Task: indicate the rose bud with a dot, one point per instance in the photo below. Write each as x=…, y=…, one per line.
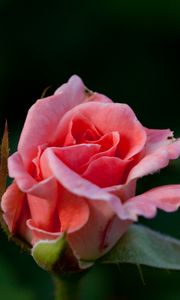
x=75, y=172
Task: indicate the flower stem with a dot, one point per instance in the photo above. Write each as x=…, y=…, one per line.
x=66, y=288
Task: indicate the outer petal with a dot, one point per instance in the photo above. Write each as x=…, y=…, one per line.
x=12, y=204
x=43, y=210
x=44, y=116
x=73, y=211
x=124, y=191
x=157, y=138
x=17, y=171
x=42, y=196
x=106, y=171
x=26, y=182
x=166, y=198
x=103, y=230
x=40, y=234
x=155, y=161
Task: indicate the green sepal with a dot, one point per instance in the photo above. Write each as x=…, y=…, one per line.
x=143, y=246
x=56, y=256
x=46, y=253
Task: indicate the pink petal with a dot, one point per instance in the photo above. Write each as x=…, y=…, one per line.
x=110, y=117
x=157, y=138
x=124, y=191
x=76, y=131
x=166, y=198
x=73, y=214
x=44, y=116
x=40, y=234
x=74, y=183
x=12, y=204
x=76, y=156
x=103, y=230
x=117, y=227
x=108, y=144
x=90, y=248
x=73, y=211
x=106, y=171
x=25, y=181
x=118, y=117
x=155, y=160
x=42, y=196
x=16, y=170
x=44, y=210
x=21, y=227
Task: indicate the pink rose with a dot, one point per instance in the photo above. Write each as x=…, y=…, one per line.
x=78, y=160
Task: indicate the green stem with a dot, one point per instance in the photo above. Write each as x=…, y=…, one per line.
x=66, y=288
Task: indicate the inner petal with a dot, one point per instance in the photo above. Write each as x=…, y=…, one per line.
x=75, y=130
x=76, y=156
x=108, y=145
x=109, y=117
x=106, y=171
x=83, y=128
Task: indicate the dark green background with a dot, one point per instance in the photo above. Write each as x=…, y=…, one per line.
x=128, y=50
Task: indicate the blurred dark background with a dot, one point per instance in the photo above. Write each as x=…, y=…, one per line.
x=128, y=50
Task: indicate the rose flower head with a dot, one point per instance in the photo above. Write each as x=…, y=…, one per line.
x=75, y=172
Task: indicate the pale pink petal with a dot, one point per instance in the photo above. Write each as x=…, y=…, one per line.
x=124, y=191
x=73, y=211
x=155, y=160
x=44, y=116
x=157, y=138
x=106, y=171
x=74, y=183
x=114, y=232
x=12, y=204
x=90, y=95
x=166, y=198
x=16, y=170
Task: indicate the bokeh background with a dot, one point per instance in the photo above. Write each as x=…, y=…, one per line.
x=128, y=50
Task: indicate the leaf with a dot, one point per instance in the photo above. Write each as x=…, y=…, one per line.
x=3, y=161
x=143, y=246
x=47, y=253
